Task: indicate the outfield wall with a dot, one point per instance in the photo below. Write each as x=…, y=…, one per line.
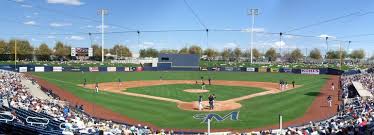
x=34, y=68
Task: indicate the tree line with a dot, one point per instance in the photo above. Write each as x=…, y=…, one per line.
x=61, y=51
x=234, y=54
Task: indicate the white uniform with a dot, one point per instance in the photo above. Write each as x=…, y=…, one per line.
x=97, y=89
x=200, y=106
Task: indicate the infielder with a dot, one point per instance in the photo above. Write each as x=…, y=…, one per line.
x=329, y=100
x=332, y=86
x=203, y=86
x=119, y=82
x=97, y=88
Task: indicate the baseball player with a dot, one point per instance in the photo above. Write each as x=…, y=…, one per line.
x=293, y=84
x=332, y=86
x=97, y=88
x=200, y=104
x=211, y=100
x=119, y=82
x=84, y=82
x=202, y=79
x=209, y=80
x=203, y=86
x=329, y=100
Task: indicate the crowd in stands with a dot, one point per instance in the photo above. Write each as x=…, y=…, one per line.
x=356, y=116
x=15, y=99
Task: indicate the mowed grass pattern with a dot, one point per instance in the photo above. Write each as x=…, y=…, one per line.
x=256, y=112
x=175, y=91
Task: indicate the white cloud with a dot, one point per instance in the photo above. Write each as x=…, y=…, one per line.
x=30, y=23
x=86, y=27
x=76, y=38
x=282, y=44
x=35, y=13
x=18, y=0
x=28, y=16
x=56, y=24
x=254, y=30
x=66, y=2
x=51, y=37
x=99, y=26
x=146, y=44
x=26, y=6
x=288, y=36
x=325, y=35
x=230, y=45
x=35, y=40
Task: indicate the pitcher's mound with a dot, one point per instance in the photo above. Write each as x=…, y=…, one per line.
x=196, y=90
x=218, y=106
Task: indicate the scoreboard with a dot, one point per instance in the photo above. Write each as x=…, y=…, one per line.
x=82, y=52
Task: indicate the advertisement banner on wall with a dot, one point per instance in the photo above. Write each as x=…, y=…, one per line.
x=310, y=71
x=111, y=69
x=287, y=70
x=229, y=68
x=139, y=69
x=39, y=69
x=262, y=69
x=250, y=69
x=57, y=69
x=22, y=69
x=127, y=69
x=274, y=70
x=93, y=69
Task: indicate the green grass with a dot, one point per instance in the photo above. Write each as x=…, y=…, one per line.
x=175, y=91
x=255, y=112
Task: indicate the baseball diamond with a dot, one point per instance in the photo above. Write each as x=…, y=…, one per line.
x=255, y=95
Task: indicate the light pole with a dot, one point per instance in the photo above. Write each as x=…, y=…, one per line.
x=280, y=45
x=253, y=13
x=15, y=55
x=327, y=46
x=102, y=12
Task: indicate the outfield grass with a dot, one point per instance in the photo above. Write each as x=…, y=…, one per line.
x=255, y=112
x=175, y=91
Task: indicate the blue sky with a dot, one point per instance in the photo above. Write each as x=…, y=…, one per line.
x=42, y=21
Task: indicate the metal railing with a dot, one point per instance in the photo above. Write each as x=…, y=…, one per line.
x=7, y=114
x=37, y=123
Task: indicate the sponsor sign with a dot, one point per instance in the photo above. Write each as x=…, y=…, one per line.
x=57, y=69
x=274, y=70
x=262, y=69
x=310, y=71
x=287, y=70
x=75, y=69
x=234, y=116
x=250, y=69
x=93, y=69
x=39, y=69
x=22, y=69
x=229, y=69
x=139, y=69
x=111, y=69
x=127, y=69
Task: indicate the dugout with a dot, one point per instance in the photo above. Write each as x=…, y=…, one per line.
x=178, y=61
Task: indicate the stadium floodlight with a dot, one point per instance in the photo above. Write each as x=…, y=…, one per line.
x=253, y=13
x=102, y=12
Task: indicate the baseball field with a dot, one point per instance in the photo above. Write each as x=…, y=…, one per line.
x=167, y=99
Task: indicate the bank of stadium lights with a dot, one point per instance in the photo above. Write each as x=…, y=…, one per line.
x=102, y=12
x=253, y=13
